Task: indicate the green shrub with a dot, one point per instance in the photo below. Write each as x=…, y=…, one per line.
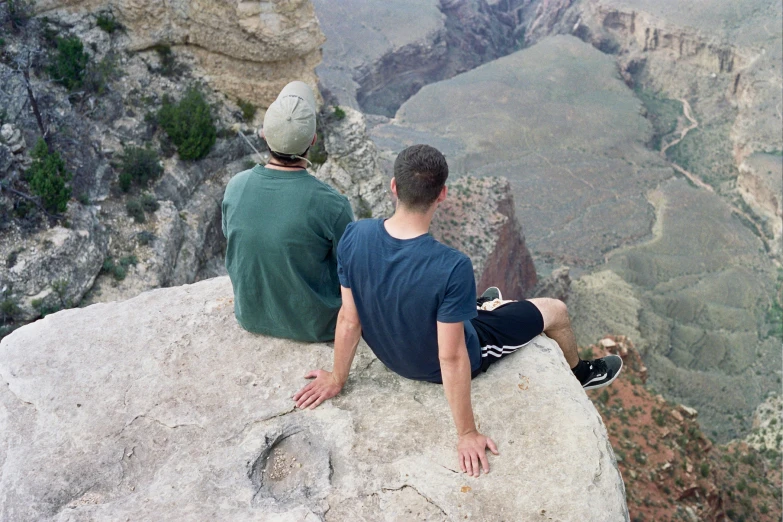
x=69, y=63
x=47, y=177
x=339, y=113
x=135, y=210
x=189, y=124
x=149, y=203
x=60, y=288
x=168, y=62
x=704, y=469
x=8, y=309
x=19, y=12
x=107, y=22
x=127, y=261
x=145, y=237
x=116, y=270
x=248, y=109
x=98, y=75
x=317, y=154
x=138, y=165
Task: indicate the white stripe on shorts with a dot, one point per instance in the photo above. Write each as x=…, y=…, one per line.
x=500, y=351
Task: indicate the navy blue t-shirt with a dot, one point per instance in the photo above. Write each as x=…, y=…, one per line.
x=402, y=287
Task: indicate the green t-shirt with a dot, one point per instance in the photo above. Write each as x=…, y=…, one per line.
x=283, y=228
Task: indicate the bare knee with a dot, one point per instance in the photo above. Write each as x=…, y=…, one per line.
x=554, y=312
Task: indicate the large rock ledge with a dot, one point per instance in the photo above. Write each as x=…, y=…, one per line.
x=162, y=408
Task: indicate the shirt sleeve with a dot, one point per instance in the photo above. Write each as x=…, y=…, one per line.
x=343, y=256
x=459, y=303
x=345, y=217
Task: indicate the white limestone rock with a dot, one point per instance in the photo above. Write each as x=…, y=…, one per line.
x=163, y=408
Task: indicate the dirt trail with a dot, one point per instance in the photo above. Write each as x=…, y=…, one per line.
x=686, y=110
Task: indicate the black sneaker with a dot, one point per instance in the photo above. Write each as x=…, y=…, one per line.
x=602, y=372
x=490, y=294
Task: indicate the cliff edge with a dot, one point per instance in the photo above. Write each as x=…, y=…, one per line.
x=161, y=407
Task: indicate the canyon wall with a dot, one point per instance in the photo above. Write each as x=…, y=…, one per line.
x=478, y=218
x=248, y=50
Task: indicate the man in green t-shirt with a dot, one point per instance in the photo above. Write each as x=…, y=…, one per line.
x=282, y=227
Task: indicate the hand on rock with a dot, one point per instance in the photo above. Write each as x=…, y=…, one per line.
x=471, y=448
x=325, y=386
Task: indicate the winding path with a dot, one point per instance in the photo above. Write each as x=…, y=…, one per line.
x=686, y=110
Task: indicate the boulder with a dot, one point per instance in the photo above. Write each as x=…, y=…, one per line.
x=162, y=408
x=53, y=269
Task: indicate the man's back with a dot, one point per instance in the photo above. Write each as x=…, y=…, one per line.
x=282, y=229
x=401, y=289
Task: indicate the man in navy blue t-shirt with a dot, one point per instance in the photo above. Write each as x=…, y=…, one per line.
x=414, y=301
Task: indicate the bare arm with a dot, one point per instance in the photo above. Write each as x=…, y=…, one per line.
x=346, y=338
x=455, y=370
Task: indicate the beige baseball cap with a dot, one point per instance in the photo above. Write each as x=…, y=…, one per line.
x=289, y=123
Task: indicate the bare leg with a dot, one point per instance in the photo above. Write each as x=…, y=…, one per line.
x=557, y=325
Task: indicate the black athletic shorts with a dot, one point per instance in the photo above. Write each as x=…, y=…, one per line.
x=505, y=330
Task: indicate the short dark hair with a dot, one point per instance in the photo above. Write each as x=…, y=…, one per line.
x=421, y=172
x=286, y=159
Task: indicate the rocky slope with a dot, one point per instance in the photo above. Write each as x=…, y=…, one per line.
x=96, y=250
x=117, y=411
x=672, y=470
x=478, y=218
x=247, y=50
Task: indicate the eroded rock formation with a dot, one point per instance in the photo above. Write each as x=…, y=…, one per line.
x=247, y=49
x=478, y=219
x=353, y=166
x=162, y=407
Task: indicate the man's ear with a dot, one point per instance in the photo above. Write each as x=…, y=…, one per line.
x=443, y=193
x=261, y=133
x=393, y=187
x=315, y=138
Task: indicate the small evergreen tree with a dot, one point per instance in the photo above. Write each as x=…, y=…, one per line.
x=189, y=124
x=139, y=165
x=48, y=177
x=69, y=63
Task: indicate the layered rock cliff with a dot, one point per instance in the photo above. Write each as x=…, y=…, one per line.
x=478, y=218
x=249, y=50
x=162, y=407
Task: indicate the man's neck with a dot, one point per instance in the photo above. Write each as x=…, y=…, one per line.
x=299, y=165
x=405, y=224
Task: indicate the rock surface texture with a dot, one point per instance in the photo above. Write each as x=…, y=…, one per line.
x=353, y=166
x=248, y=49
x=161, y=407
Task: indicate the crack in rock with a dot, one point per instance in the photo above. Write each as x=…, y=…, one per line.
x=597, y=474
x=8, y=385
x=425, y=497
x=250, y=424
x=156, y=421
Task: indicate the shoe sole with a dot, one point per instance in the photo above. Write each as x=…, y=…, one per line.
x=606, y=383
